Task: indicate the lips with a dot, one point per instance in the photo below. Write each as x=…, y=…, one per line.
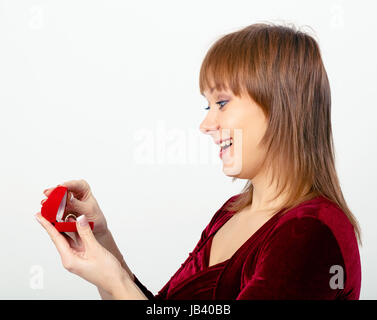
x=221, y=141
x=225, y=151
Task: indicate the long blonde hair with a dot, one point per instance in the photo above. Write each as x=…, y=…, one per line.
x=281, y=69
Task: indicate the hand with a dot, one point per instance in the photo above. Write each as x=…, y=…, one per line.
x=83, y=203
x=87, y=258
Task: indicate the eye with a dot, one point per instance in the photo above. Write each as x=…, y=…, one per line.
x=220, y=103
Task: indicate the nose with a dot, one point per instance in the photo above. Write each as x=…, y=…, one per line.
x=209, y=125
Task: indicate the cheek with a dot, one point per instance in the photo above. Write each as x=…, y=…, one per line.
x=253, y=133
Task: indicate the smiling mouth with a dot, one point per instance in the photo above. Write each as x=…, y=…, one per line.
x=225, y=146
x=226, y=143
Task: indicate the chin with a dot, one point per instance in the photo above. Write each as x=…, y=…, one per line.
x=233, y=168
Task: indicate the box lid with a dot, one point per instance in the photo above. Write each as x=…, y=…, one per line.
x=54, y=206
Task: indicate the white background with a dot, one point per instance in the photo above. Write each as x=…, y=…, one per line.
x=84, y=83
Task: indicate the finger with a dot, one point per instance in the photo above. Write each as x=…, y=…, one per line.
x=70, y=235
x=74, y=235
x=79, y=188
x=48, y=191
x=85, y=232
x=76, y=206
x=70, y=240
x=78, y=240
x=75, y=241
x=58, y=239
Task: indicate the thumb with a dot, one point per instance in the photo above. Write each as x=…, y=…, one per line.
x=85, y=232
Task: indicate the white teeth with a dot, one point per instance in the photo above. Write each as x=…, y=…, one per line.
x=226, y=143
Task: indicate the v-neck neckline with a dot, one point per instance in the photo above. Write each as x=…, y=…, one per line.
x=226, y=217
x=206, y=246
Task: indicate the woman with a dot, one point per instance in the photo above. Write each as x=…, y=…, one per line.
x=289, y=234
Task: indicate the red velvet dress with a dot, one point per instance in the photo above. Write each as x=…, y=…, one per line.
x=289, y=257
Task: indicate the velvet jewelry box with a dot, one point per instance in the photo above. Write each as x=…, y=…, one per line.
x=53, y=210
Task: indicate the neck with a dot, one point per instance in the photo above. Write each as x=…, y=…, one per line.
x=263, y=195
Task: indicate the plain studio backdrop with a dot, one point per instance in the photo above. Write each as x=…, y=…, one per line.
x=107, y=91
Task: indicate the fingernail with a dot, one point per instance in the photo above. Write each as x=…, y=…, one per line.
x=83, y=221
x=37, y=217
x=43, y=201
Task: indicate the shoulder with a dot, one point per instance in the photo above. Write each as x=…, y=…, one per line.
x=316, y=233
x=304, y=248
x=315, y=218
x=296, y=261
x=305, y=244
x=306, y=236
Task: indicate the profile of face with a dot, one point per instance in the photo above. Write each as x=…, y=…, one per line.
x=240, y=122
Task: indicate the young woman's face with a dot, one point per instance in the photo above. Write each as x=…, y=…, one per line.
x=242, y=120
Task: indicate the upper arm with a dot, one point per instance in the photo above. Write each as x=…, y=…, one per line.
x=295, y=263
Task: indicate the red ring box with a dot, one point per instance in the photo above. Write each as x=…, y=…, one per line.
x=53, y=210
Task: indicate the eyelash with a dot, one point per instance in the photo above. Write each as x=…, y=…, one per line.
x=218, y=102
